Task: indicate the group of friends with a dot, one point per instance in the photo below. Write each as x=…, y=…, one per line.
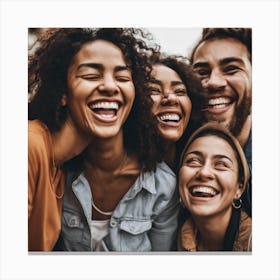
x=133, y=150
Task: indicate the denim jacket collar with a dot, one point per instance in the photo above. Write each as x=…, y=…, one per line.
x=82, y=190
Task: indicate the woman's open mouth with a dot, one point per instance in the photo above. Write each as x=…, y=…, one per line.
x=169, y=119
x=105, y=111
x=203, y=191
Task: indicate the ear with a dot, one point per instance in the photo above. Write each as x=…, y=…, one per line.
x=239, y=191
x=63, y=100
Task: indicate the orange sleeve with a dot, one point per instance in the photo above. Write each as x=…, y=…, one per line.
x=34, y=163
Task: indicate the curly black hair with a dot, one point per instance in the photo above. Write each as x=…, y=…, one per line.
x=243, y=35
x=47, y=80
x=182, y=67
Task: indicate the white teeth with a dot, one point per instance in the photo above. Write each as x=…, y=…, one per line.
x=219, y=101
x=170, y=117
x=202, y=189
x=105, y=105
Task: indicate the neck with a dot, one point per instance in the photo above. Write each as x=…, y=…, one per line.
x=212, y=231
x=243, y=136
x=68, y=142
x=107, y=154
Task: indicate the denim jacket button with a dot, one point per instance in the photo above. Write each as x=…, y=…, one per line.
x=113, y=223
x=73, y=221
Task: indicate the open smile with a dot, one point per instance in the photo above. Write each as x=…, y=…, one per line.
x=203, y=191
x=218, y=105
x=105, y=111
x=169, y=118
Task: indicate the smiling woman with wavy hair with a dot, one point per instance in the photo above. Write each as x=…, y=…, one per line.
x=92, y=83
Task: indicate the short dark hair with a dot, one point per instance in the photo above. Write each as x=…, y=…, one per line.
x=243, y=35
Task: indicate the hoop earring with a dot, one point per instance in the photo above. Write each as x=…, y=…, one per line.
x=237, y=203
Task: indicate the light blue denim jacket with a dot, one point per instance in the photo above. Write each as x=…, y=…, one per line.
x=144, y=220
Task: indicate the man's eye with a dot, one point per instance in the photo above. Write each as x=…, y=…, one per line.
x=202, y=72
x=231, y=69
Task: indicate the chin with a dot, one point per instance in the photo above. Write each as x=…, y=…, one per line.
x=172, y=137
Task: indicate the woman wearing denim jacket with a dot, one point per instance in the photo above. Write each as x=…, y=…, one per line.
x=120, y=198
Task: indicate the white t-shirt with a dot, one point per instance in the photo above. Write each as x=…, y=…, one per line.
x=99, y=229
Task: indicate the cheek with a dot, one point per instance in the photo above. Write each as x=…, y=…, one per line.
x=240, y=84
x=130, y=92
x=229, y=183
x=185, y=175
x=184, y=179
x=186, y=105
x=156, y=102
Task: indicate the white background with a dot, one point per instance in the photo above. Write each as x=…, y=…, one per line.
x=17, y=16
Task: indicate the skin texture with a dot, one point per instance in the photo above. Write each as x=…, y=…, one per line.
x=225, y=69
x=99, y=78
x=210, y=162
x=170, y=99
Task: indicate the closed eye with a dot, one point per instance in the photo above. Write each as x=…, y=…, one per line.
x=193, y=162
x=123, y=78
x=222, y=165
x=181, y=91
x=154, y=90
x=90, y=77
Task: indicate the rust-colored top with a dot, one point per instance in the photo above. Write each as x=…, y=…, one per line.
x=45, y=189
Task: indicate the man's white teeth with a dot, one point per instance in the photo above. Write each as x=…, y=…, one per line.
x=219, y=102
x=203, y=190
x=105, y=105
x=170, y=117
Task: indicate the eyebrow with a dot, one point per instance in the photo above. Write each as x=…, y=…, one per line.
x=218, y=156
x=173, y=83
x=222, y=62
x=99, y=66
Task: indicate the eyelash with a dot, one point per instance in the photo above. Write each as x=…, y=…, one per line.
x=95, y=77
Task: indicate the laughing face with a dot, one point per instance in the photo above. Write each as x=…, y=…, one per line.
x=171, y=103
x=208, y=177
x=100, y=89
x=224, y=67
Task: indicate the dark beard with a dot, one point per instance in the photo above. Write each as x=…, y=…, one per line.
x=241, y=114
x=242, y=111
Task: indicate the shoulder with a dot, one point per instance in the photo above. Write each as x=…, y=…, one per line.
x=165, y=177
x=187, y=236
x=164, y=171
x=244, y=236
x=38, y=137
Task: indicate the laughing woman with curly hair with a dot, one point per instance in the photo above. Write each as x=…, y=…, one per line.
x=87, y=86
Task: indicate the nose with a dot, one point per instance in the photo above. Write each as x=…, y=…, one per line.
x=215, y=82
x=109, y=85
x=205, y=173
x=169, y=98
